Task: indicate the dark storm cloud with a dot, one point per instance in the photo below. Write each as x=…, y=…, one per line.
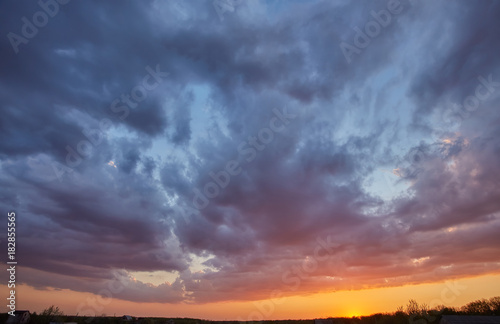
x=182, y=121
x=469, y=51
x=128, y=202
x=78, y=60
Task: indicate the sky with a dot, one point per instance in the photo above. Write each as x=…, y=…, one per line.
x=248, y=160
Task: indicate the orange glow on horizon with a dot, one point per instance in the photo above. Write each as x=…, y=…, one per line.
x=321, y=305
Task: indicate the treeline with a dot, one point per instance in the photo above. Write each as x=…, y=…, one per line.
x=415, y=313
x=478, y=307
x=412, y=313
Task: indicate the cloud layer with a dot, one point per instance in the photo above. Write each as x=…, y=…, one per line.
x=155, y=136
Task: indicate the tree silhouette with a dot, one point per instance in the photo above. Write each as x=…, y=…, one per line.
x=495, y=305
x=477, y=307
x=52, y=311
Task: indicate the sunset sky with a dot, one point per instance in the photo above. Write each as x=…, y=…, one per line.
x=247, y=160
